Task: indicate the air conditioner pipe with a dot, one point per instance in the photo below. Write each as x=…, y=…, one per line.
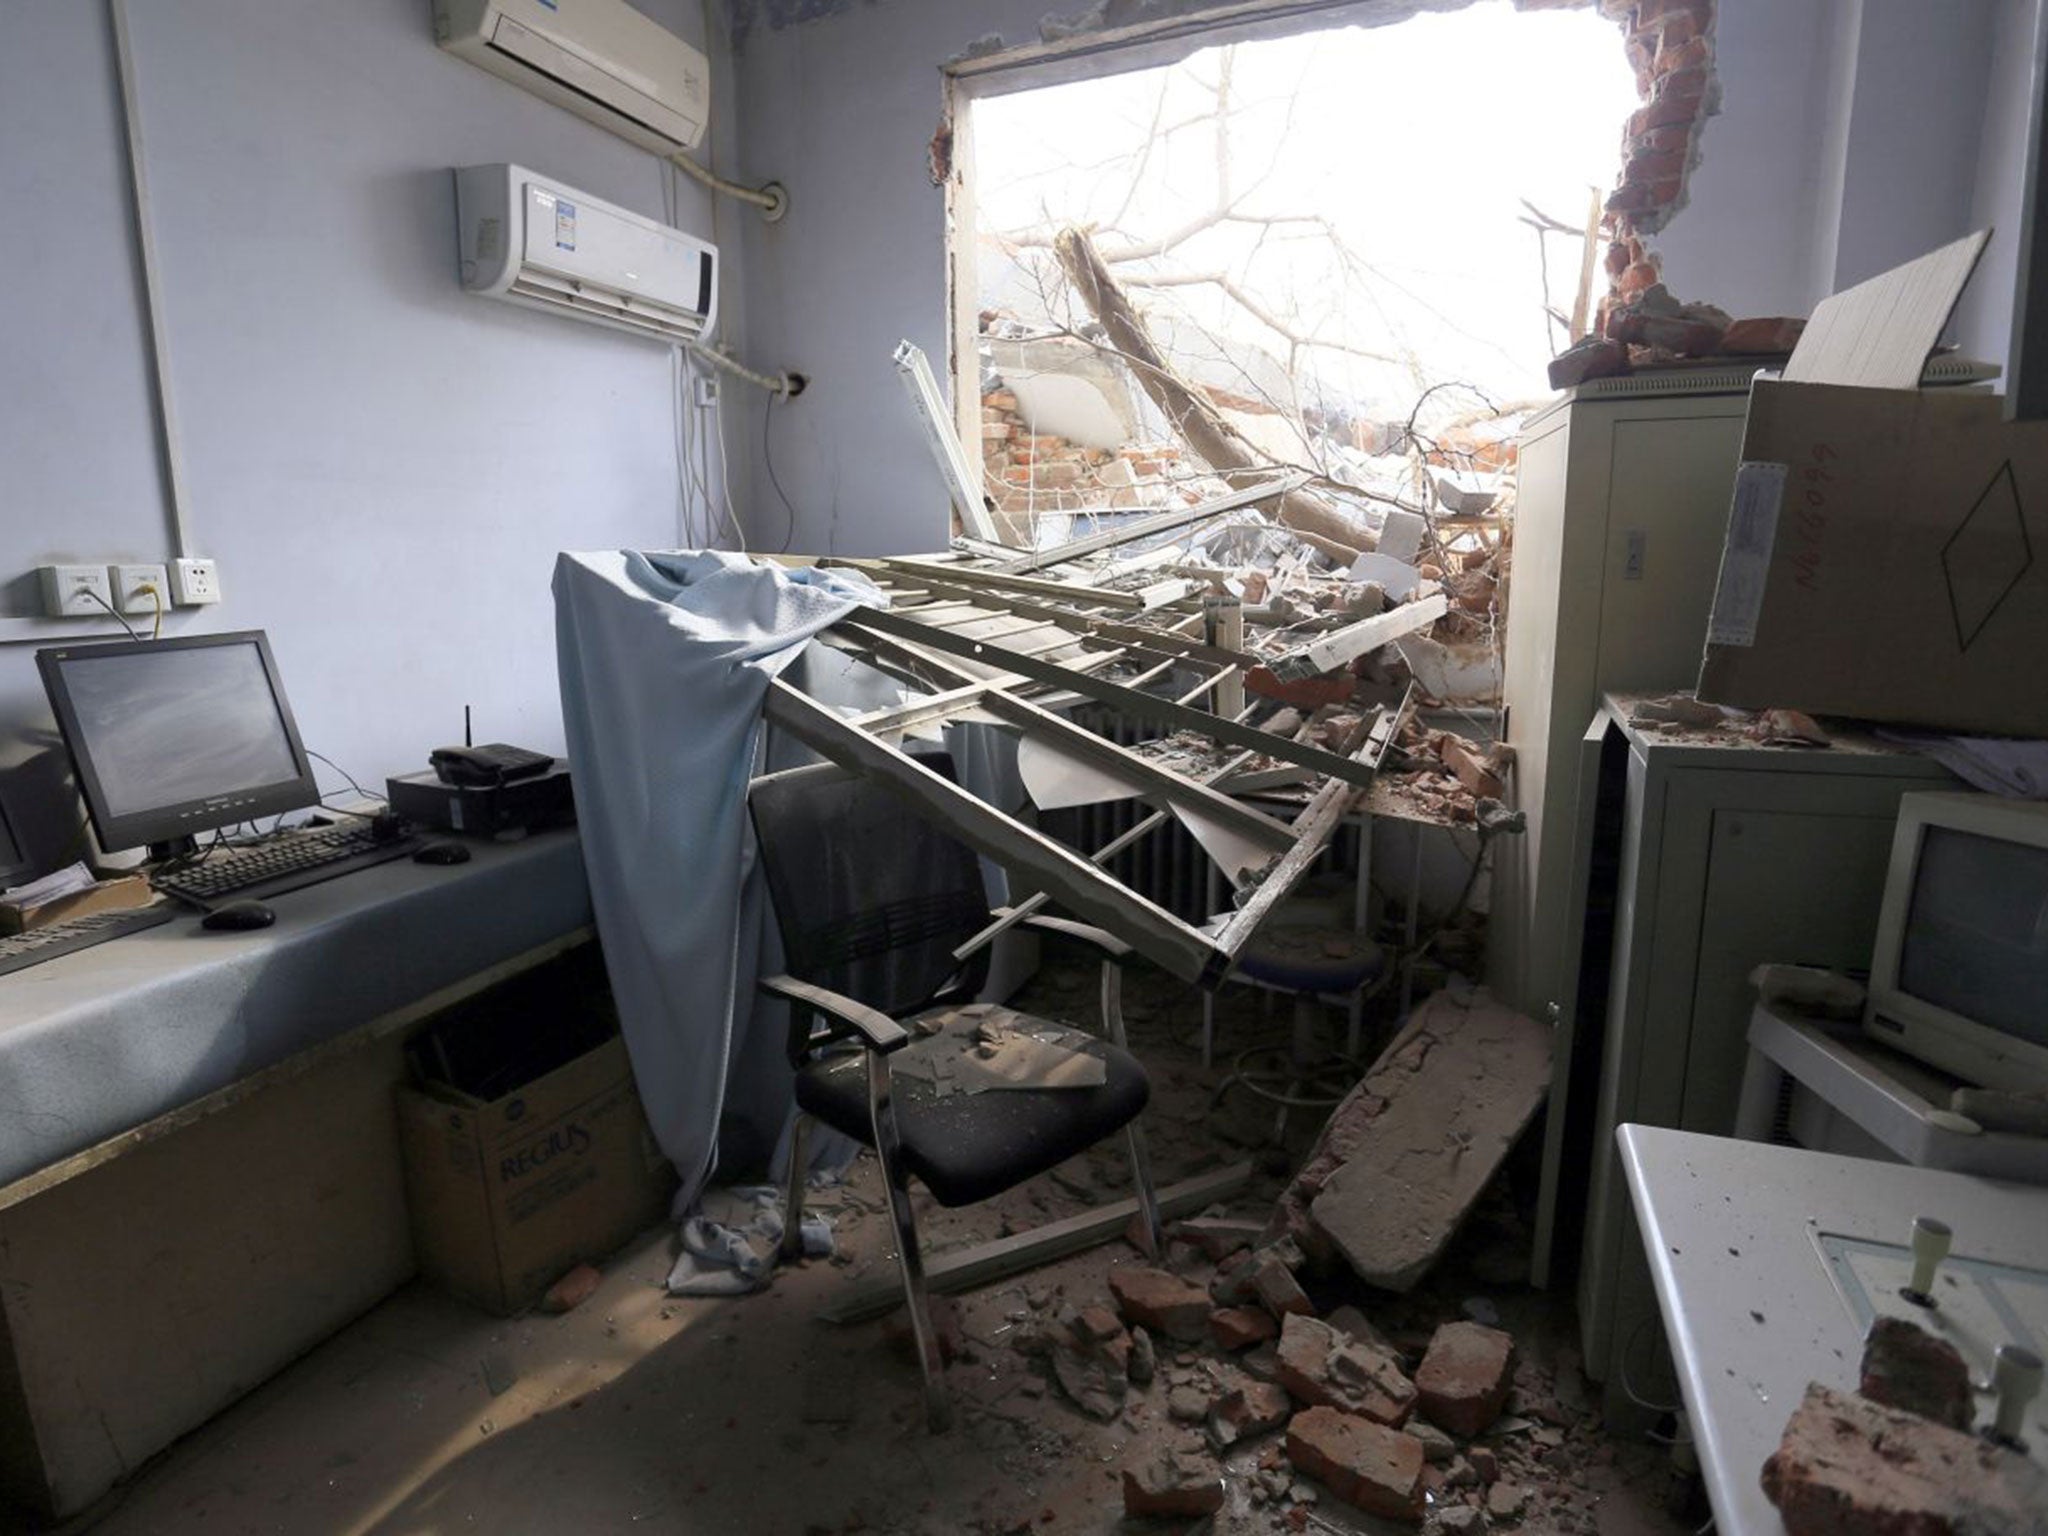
x=770, y=197
x=786, y=384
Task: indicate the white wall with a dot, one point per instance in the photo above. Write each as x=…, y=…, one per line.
x=1854, y=135
x=383, y=466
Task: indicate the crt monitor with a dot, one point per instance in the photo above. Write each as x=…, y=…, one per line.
x=1959, y=978
x=174, y=738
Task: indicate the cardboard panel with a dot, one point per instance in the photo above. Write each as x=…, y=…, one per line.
x=1887, y=558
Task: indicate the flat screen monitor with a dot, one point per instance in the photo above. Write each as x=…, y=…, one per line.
x=1960, y=975
x=174, y=738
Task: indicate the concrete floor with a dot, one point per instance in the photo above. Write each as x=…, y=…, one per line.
x=642, y=1412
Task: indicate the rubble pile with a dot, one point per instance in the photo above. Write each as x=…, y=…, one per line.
x=1235, y=1381
x=1027, y=471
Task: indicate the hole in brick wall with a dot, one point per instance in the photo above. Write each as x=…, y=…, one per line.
x=1346, y=243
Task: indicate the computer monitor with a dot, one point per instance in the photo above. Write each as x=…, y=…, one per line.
x=1959, y=978
x=174, y=738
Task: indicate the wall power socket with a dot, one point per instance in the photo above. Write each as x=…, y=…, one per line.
x=194, y=582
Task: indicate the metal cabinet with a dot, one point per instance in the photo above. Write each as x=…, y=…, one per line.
x=1706, y=856
x=1621, y=506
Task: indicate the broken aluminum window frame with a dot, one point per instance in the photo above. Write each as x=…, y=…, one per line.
x=962, y=483
x=1164, y=522
x=984, y=678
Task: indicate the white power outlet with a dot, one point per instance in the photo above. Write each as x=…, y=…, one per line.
x=69, y=590
x=133, y=585
x=194, y=582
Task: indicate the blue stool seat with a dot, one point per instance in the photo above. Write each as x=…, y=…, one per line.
x=1315, y=960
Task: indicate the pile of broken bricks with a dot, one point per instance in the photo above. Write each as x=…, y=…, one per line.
x=1228, y=1347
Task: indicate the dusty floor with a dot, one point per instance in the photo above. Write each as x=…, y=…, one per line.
x=638, y=1411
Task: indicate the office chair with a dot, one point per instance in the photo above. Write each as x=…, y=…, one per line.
x=871, y=899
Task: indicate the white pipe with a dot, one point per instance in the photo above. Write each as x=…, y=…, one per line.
x=788, y=385
x=770, y=198
x=169, y=441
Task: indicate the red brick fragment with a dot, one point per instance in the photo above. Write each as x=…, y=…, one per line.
x=1466, y=1376
x=572, y=1290
x=1845, y=1464
x=1774, y=336
x=1160, y=1301
x=1173, y=1483
x=1378, y=1470
x=1236, y=1328
x=1324, y=1368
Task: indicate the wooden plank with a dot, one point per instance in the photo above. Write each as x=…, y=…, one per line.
x=1165, y=522
x=1154, y=932
x=1131, y=701
x=969, y=1268
x=292, y=1066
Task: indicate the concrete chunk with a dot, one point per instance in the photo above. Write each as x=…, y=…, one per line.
x=1322, y=1367
x=1405, y=1156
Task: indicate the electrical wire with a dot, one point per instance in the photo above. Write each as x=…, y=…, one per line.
x=352, y=784
x=156, y=630
x=118, y=619
x=786, y=384
x=768, y=456
x=732, y=517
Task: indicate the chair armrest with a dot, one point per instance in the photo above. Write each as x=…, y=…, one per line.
x=877, y=1030
x=1110, y=946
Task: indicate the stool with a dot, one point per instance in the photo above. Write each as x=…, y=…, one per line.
x=1311, y=963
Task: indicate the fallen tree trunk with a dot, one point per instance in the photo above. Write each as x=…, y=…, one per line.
x=1200, y=424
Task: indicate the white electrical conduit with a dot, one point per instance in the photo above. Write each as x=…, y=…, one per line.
x=787, y=385
x=152, y=286
x=770, y=197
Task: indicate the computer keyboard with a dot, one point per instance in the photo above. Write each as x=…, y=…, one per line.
x=18, y=951
x=281, y=863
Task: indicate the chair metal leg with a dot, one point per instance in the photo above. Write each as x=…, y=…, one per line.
x=791, y=1248
x=896, y=1181
x=1134, y=1134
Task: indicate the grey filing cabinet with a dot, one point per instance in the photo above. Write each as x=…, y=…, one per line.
x=1706, y=855
x=1621, y=507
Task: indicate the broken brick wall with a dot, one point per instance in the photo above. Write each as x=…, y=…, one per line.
x=1028, y=472
x=1671, y=45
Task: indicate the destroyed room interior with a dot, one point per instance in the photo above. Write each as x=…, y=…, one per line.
x=979, y=767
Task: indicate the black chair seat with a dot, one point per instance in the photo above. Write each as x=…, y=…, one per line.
x=969, y=1146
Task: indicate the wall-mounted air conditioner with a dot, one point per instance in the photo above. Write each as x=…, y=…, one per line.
x=599, y=58
x=536, y=242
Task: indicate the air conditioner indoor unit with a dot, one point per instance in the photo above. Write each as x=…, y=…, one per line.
x=599, y=58
x=536, y=242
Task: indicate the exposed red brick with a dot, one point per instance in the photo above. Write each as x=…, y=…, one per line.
x=1593, y=358
x=572, y=1290
x=1160, y=1301
x=1324, y=1368
x=1173, y=1483
x=1906, y=1367
x=1466, y=1376
x=1775, y=336
x=1253, y=1409
x=1378, y=1470
x=1686, y=55
x=1236, y=1328
x=1279, y=1290
x=1845, y=1465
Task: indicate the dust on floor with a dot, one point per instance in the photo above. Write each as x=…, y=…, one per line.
x=642, y=1412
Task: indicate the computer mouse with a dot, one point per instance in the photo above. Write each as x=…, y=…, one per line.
x=237, y=916
x=441, y=852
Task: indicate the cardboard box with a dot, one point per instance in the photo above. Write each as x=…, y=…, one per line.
x=118, y=893
x=509, y=1190
x=1887, y=559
